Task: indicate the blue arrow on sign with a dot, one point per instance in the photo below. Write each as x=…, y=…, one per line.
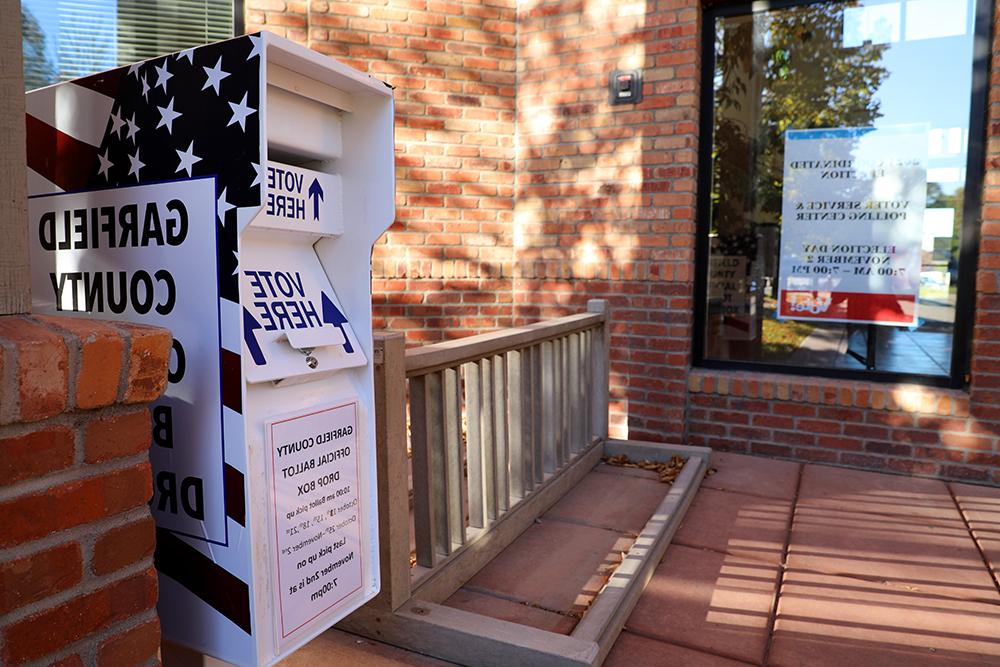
x=316, y=194
x=250, y=324
x=332, y=315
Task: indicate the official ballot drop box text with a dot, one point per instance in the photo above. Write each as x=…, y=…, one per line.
x=232, y=194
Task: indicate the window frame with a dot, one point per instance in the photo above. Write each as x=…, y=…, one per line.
x=971, y=208
x=239, y=18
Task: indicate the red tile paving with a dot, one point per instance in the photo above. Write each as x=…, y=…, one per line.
x=334, y=647
x=911, y=554
x=753, y=475
x=734, y=523
x=980, y=507
x=553, y=565
x=562, y=561
x=633, y=650
x=611, y=501
x=829, y=620
x=880, y=570
x=709, y=601
x=628, y=472
x=826, y=487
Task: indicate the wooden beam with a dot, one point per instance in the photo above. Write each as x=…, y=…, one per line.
x=602, y=368
x=516, y=416
x=430, y=358
x=466, y=638
x=501, y=451
x=392, y=468
x=605, y=618
x=474, y=447
x=425, y=430
x=15, y=278
x=453, y=488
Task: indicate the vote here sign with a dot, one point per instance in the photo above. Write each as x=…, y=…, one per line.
x=852, y=224
x=301, y=200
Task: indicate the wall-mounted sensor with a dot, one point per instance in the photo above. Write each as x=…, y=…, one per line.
x=625, y=86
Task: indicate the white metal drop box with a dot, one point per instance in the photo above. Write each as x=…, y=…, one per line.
x=232, y=194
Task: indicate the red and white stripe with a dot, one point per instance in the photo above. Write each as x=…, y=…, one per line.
x=65, y=126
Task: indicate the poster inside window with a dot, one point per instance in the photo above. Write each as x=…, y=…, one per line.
x=840, y=137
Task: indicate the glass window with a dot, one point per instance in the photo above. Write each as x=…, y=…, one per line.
x=67, y=39
x=830, y=233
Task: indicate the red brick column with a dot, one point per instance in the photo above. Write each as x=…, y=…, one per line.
x=77, y=584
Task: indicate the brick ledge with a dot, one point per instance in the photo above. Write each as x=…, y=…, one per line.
x=830, y=391
x=54, y=364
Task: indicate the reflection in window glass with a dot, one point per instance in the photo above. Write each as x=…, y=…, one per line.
x=837, y=184
x=67, y=39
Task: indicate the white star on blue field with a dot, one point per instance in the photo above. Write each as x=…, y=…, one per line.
x=191, y=115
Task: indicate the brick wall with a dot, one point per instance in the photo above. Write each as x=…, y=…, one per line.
x=444, y=268
x=599, y=201
x=906, y=429
x=606, y=194
x=77, y=585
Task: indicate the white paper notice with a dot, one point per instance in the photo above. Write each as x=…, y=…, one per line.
x=316, y=513
x=852, y=221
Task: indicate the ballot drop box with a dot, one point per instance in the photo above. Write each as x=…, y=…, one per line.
x=232, y=194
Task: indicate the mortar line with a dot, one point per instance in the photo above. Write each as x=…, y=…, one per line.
x=968, y=527
x=478, y=590
x=751, y=494
x=685, y=645
x=621, y=532
x=748, y=556
x=773, y=615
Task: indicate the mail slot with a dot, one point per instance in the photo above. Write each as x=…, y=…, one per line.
x=232, y=194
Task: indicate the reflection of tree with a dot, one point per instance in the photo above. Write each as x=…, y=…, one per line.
x=38, y=70
x=938, y=198
x=733, y=109
x=84, y=40
x=778, y=70
x=86, y=43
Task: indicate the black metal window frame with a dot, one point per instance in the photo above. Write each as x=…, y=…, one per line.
x=239, y=18
x=971, y=208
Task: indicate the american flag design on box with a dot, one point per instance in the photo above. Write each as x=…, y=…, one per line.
x=187, y=115
x=150, y=201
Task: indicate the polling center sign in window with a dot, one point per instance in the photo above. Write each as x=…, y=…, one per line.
x=852, y=224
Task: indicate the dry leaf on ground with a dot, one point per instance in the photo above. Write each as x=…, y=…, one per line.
x=666, y=470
